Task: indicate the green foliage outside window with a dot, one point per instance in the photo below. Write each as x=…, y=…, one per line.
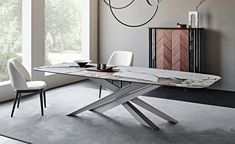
x=63, y=24
x=63, y=28
x=10, y=34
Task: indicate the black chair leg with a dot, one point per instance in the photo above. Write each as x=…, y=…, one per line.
x=44, y=96
x=100, y=91
x=41, y=101
x=16, y=99
x=19, y=98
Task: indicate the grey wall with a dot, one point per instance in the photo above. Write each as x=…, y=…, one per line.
x=217, y=16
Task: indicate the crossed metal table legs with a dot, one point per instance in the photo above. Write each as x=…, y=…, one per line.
x=125, y=96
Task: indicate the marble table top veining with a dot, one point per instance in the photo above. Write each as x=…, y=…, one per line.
x=138, y=75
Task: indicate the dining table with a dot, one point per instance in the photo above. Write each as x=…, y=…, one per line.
x=139, y=80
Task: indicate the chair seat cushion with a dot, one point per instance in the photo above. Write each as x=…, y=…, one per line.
x=36, y=84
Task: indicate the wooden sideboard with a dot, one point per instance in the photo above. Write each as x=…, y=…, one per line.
x=175, y=48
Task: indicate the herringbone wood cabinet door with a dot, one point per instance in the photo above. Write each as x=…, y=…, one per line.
x=172, y=49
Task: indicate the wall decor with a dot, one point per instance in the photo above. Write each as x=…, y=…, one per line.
x=193, y=18
x=109, y=3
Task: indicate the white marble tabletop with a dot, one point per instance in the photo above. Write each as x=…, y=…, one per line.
x=138, y=75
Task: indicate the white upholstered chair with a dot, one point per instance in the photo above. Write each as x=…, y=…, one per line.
x=119, y=58
x=22, y=83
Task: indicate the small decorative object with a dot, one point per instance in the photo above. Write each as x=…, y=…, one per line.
x=181, y=25
x=82, y=63
x=193, y=17
x=98, y=67
x=103, y=66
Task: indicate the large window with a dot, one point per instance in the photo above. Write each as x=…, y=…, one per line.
x=10, y=34
x=63, y=30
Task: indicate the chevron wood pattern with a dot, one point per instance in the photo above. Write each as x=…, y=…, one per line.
x=172, y=49
x=180, y=53
x=163, y=51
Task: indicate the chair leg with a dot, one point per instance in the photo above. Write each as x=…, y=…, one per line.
x=44, y=97
x=16, y=99
x=41, y=101
x=100, y=91
x=19, y=98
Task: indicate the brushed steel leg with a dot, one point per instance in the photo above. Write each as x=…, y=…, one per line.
x=124, y=98
x=139, y=116
x=109, y=98
x=152, y=109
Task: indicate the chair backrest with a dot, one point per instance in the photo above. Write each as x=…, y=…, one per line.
x=18, y=74
x=121, y=58
x=22, y=69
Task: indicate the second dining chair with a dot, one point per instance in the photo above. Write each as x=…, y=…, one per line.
x=22, y=83
x=119, y=58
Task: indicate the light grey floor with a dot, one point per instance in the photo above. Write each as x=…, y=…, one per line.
x=198, y=124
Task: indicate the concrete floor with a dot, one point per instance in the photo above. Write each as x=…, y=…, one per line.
x=198, y=124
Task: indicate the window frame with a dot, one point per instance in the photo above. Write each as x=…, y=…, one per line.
x=33, y=40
